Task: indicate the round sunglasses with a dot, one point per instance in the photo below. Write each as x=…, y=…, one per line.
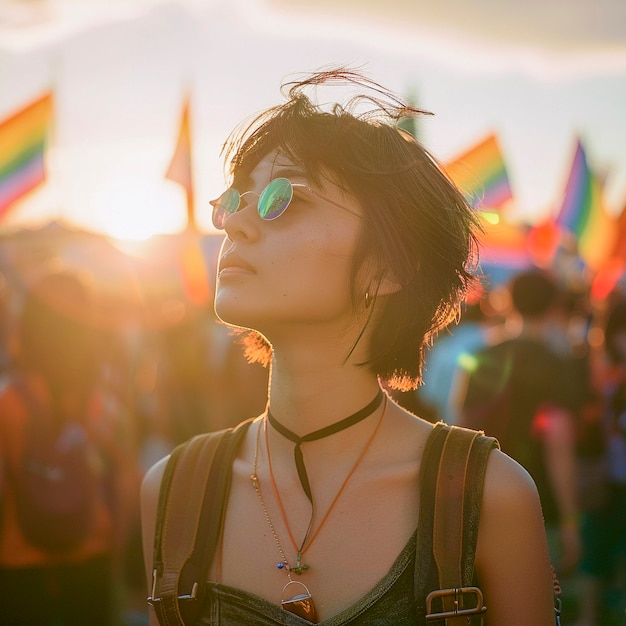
x=273, y=201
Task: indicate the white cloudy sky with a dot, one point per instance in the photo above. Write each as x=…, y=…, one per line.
x=538, y=73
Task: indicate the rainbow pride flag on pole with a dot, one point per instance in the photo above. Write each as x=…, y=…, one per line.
x=480, y=173
x=583, y=213
x=22, y=149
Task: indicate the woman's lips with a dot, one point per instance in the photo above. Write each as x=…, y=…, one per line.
x=232, y=265
x=233, y=270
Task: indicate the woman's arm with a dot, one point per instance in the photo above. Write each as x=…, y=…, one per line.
x=512, y=558
x=149, y=501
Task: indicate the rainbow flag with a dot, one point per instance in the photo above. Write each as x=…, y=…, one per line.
x=22, y=147
x=480, y=173
x=583, y=212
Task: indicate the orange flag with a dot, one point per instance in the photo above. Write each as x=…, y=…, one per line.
x=179, y=169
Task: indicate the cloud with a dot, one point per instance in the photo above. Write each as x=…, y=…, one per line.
x=549, y=39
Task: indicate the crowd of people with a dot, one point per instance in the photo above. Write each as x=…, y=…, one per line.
x=132, y=397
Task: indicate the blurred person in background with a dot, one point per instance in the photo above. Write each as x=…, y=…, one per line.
x=203, y=379
x=603, y=564
x=520, y=390
x=60, y=485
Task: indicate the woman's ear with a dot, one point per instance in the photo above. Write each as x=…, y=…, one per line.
x=377, y=281
x=386, y=285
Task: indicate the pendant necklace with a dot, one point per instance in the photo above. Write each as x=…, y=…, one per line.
x=302, y=604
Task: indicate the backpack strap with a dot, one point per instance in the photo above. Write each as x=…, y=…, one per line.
x=451, y=483
x=192, y=496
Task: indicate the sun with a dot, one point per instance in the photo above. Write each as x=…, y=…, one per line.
x=134, y=209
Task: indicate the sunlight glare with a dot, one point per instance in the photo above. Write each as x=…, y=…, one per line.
x=135, y=209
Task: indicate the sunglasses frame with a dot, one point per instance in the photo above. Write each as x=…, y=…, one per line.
x=220, y=225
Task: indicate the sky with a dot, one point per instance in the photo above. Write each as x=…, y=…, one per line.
x=537, y=74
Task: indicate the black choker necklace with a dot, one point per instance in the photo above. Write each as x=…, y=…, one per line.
x=351, y=420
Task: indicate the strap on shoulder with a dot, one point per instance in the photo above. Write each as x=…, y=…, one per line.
x=192, y=495
x=451, y=481
x=449, y=506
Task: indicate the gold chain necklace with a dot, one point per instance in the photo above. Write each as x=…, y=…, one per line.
x=257, y=487
x=302, y=603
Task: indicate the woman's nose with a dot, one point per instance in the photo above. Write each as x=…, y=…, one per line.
x=243, y=224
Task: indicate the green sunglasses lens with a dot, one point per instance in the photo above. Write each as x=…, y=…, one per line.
x=225, y=206
x=275, y=198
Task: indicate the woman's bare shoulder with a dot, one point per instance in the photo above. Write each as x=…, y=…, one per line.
x=507, y=483
x=151, y=483
x=512, y=558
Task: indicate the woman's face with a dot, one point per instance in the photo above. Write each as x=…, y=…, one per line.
x=292, y=273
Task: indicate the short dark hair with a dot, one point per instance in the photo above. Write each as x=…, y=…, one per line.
x=533, y=293
x=418, y=226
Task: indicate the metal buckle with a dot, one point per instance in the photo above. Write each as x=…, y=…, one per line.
x=456, y=611
x=557, y=611
x=153, y=600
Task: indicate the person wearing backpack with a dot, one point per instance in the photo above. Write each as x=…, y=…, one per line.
x=56, y=530
x=346, y=249
x=527, y=391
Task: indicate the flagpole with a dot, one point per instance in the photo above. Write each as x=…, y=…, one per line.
x=192, y=225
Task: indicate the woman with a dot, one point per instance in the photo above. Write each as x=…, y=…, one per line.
x=343, y=287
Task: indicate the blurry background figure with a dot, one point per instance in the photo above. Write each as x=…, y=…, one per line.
x=182, y=376
x=238, y=388
x=64, y=476
x=603, y=565
x=202, y=378
x=527, y=394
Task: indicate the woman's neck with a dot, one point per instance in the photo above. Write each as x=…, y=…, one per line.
x=307, y=398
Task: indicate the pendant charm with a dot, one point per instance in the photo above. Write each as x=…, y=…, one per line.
x=301, y=604
x=299, y=567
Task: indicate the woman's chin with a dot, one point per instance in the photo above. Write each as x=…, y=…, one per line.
x=233, y=315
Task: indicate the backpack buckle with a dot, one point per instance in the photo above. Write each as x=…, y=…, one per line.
x=192, y=595
x=477, y=606
x=152, y=598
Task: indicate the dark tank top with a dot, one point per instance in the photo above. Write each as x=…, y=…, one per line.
x=391, y=601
